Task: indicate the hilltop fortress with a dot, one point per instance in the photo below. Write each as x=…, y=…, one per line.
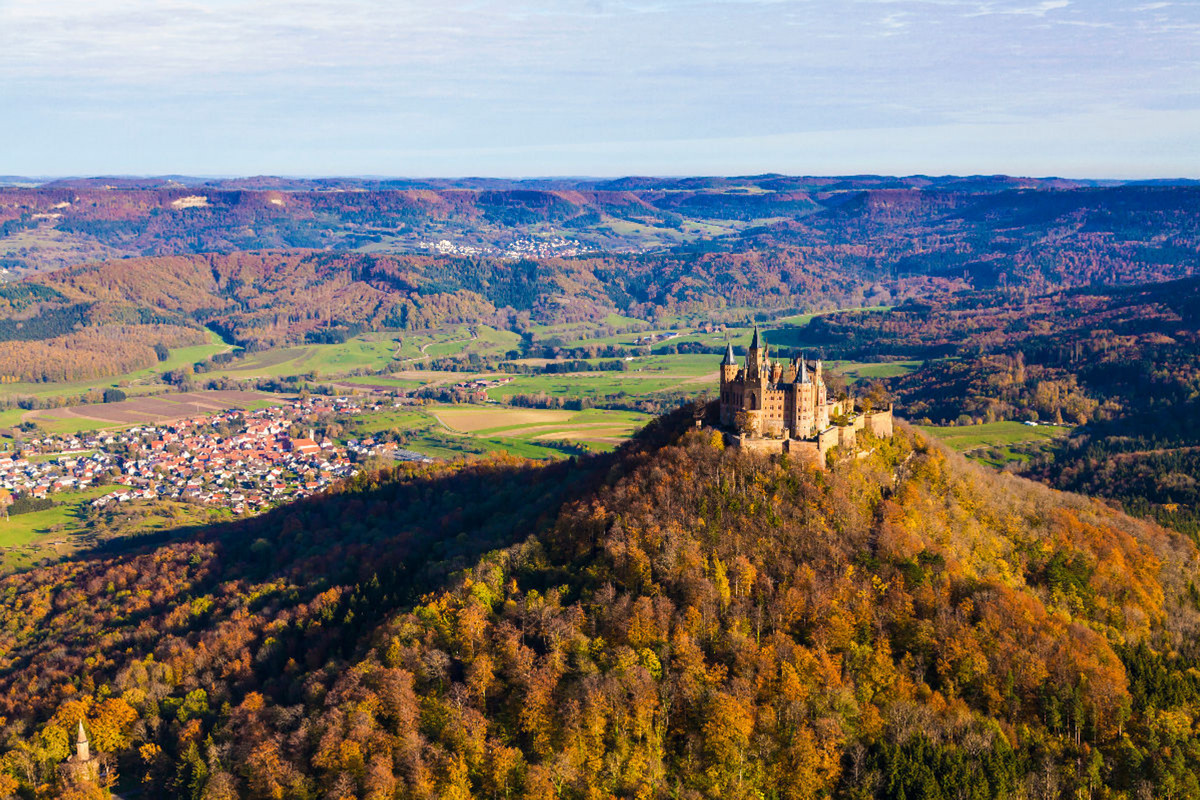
x=784, y=407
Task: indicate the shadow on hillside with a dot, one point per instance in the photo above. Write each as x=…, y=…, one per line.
x=386, y=538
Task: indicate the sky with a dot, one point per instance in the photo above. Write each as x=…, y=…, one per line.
x=1076, y=88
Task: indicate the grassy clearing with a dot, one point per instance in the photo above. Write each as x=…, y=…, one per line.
x=59, y=532
x=10, y=417
x=56, y=522
x=803, y=319
x=371, y=351
x=471, y=419
x=519, y=429
x=591, y=385
x=867, y=371
x=450, y=431
x=997, y=443
x=964, y=438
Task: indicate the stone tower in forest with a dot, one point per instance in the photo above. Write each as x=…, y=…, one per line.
x=82, y=767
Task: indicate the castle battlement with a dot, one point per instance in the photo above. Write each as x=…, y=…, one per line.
x=780, y=407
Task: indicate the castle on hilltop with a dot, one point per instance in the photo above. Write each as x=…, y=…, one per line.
x=782, y=407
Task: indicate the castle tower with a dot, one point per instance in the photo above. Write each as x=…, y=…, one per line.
x=728, y=365
x=82, y=751
x=822, y=398
x=756, y=357
x=82, y=768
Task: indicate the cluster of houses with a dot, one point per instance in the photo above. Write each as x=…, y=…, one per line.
x=246, y=461
x=553, y=247
x=542, y=248
x=477, y=389
x=26, y=473
x=445, y=247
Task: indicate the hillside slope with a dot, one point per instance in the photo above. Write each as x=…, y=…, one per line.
x=673, y=620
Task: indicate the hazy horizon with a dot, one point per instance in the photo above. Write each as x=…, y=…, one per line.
x=584, y=178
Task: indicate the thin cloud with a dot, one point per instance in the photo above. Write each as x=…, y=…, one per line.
x=241, y=81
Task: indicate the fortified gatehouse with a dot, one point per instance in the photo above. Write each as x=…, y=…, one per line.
x=783, y=407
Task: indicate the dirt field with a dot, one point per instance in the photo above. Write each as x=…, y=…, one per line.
x=471, y=418
x=144, y=410
x=591, y=433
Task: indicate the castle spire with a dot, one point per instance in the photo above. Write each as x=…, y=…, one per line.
x=728, y=360
x=754, y=341
x=803, y=369
x=81, y=745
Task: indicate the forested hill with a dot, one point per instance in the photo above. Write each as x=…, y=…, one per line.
x=673, y=620
x=985, y=231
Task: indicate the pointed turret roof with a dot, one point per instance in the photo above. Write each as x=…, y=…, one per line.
x=82, y=754
x=754, y=341
x=728, y=360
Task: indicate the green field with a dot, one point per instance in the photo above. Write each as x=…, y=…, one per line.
x=420, y=431
x=737, y=336
x=803, y=319
x=63, y=427
x=450, y=431
x=859, y=371
x=477, y=339
x=685, y=365
x=370, y=351
x=41, y=458
x=26, y=538
x=25, y=529
x=591, y=385
x=996, y=443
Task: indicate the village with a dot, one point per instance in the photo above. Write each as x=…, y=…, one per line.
x=246, y=461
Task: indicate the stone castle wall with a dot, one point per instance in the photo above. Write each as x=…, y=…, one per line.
x=815, y=448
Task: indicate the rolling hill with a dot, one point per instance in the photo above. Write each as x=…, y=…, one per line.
x=672, y=620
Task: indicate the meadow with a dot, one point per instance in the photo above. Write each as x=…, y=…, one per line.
x=997, y=443
x=454, y=431
x=856, y=371
x=25, y=538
